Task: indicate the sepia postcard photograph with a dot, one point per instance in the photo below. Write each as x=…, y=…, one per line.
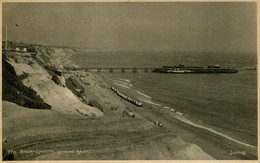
x=129, y=81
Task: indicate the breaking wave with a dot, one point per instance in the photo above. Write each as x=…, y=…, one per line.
x=125, y=83
x=125, y=80
x=150, y=102
x=144, y=94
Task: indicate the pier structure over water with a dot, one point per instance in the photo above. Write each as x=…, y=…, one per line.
x=110, y=69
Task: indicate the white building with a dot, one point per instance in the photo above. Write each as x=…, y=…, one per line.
x=21, y=48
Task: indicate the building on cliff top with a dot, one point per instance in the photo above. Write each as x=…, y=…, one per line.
x=23, y=48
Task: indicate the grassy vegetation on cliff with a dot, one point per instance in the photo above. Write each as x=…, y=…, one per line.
x=15, y=91
x=73, y=85
x=54, y=74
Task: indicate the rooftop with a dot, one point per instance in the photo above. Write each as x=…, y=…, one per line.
x=21, y=45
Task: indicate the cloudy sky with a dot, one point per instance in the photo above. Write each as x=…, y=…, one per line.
x=157, y=26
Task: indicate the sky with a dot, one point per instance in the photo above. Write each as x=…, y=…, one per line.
x=161, y=26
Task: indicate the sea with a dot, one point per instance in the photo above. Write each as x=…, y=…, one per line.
x=225, y=103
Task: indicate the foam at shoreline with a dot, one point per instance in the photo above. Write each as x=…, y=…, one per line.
x=125, y=80
x=123, y=84
x=149, y=102
x=182, y=117
x=144, y=94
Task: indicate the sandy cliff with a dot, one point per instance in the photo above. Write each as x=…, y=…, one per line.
x=58, y=96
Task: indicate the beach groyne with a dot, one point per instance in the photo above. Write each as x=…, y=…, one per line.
x=127, y=98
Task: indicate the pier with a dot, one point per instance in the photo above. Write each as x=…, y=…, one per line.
x=110, y=69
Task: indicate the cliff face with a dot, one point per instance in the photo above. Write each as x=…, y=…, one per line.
x=15, y=91
x=41, y=79
x=55, y=57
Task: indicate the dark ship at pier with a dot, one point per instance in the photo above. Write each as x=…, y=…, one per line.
x=193, y=69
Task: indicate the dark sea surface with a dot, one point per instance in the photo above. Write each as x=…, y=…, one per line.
x=225, y=102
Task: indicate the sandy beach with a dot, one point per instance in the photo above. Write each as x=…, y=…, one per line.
x=112, y=136
x=74, y=130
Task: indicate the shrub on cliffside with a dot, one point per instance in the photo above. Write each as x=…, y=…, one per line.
x=56, y=79
x=75, y=87
x=54, y=74
x=15, y=91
